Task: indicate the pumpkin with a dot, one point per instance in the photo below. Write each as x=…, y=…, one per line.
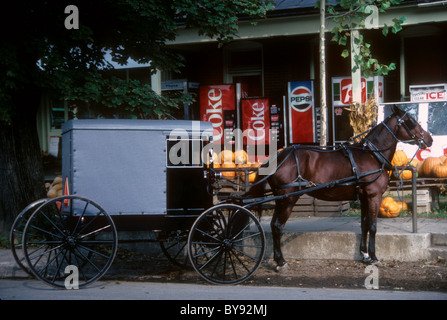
x=226, y=156
x=406, y=174
x=402, y=205
x=428, y=165
x=389, y=208
x=440, y=171
x=229, y=174
x=251, y=173
x=240, y=157
x=399, y=158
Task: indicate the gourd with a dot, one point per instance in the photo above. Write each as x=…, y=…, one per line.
x=428, y=165
x=389, y=208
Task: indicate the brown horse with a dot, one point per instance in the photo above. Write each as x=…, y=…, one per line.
x=347, y=172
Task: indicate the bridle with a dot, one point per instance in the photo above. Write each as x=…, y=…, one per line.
x=408, y=125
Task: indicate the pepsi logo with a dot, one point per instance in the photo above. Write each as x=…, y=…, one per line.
x=301, y=99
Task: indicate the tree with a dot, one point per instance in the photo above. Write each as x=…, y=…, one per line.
x=58, y=48
x=349, y=15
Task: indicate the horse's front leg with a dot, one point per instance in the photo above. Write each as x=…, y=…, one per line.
x=283, y=209
x=370, y=210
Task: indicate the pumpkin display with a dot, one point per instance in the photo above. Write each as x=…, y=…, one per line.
x=226, y=156
x=399, y=158
x=428, y=165
x=389, y=208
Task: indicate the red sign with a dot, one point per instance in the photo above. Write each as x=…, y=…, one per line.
x=346, y=90
x=301, y=112
x=214, y=99
x=256, y=121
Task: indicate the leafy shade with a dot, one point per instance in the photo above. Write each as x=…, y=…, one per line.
x=38, y=53
x=352, y=14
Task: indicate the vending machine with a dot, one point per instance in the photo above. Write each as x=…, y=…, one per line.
x=342, y=98
x=218, y=106
x=302, y=117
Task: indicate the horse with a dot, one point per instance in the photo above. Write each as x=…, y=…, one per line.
x=356, y=171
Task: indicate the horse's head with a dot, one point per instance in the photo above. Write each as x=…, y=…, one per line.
x=410, y=131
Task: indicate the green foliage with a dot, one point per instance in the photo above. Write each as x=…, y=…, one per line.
x=351, y=14
x=37, y=51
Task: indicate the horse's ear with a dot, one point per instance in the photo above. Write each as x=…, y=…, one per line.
x=397, y=110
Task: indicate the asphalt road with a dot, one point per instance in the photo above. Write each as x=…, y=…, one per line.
x=117, y=290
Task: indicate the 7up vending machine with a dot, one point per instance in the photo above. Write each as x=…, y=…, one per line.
x=342, y=98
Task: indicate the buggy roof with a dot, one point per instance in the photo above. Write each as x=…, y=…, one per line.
x=192, y=127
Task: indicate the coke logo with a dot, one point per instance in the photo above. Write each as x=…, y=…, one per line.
x=257, y=121
x=214, y=112
x=301, y=99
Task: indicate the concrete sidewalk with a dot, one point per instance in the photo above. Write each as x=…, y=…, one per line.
x=333, y=238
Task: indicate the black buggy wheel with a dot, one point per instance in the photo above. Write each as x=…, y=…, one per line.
x=226, y=244
x=175, y=249
x=16, y=234
x=69, y=241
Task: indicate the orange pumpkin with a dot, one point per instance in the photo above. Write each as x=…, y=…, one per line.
x=399, y=158
x=402, y=205
x=215, y=160
x=226, y=156
x=389, y=208
x=440, y=171
x=251, y=173
x=240, y=157
x=406, y=174
x=229, y=174
x=428, y=165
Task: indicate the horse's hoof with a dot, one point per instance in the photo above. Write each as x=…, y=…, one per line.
x=374, y=261
x=283, y=269
x=366, y=260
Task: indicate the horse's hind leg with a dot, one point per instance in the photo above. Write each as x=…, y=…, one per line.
x=283, y=209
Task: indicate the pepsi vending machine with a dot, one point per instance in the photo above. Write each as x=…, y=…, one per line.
x=301, y=112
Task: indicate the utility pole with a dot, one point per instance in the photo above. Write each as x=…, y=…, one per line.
x=323, y=105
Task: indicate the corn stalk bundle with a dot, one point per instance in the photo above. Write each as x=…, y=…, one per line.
x=362, y=117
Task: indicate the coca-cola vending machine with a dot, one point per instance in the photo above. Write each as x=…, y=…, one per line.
x=301, y=112
x=218, y=106
x=342, y=98
x=255, y=126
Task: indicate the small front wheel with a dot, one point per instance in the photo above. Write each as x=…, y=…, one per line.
x=226, y=244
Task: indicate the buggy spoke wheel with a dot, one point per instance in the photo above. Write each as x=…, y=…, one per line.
x=69, y=239
x=175, y=248
x=16, y=234
x=226, y=244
